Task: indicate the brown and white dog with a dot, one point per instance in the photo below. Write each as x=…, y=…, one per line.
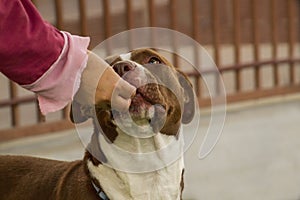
x=133, y=155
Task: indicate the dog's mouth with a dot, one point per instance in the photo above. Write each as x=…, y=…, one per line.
x=145, y=109
x=147, y=105
x=140, y=108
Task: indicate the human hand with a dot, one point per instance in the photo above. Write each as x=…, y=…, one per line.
x=112, y=87
x=101, y=84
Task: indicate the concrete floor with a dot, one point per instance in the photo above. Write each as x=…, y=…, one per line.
x=256, y=158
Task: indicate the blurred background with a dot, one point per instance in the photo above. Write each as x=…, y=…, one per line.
x=256, y=47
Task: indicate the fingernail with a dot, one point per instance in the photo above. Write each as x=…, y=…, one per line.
x=133, y=93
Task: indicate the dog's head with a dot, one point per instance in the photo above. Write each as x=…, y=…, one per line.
x=164, y=98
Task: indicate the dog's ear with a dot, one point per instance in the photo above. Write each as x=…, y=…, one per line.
x=189, y=98
x=76, y=114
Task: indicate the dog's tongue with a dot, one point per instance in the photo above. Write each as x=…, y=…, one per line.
x=157, y=122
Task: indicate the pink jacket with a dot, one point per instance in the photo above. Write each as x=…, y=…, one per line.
x=39, y=57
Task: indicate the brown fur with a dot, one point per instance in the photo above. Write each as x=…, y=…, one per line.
x=23, y=177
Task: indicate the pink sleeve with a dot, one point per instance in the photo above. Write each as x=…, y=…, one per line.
x=57, y=86
x=39, y=57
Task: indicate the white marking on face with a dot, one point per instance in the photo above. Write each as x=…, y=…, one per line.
x=125, y=56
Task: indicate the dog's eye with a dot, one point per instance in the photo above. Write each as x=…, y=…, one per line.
x=154, y=60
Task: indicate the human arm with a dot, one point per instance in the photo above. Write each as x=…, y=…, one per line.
x=43, y=59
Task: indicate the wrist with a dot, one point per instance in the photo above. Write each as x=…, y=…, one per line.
x=90, y=78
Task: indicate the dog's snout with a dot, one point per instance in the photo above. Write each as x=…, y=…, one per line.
x=122, y=67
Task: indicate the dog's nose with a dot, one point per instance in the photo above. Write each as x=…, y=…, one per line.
x=122, y=67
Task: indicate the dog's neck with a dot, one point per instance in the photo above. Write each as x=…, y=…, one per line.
x=155, y=165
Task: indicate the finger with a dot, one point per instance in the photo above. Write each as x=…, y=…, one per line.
x=120, y=104
x=125, y=89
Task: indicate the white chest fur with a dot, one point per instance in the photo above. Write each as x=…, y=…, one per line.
x=158, y=161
